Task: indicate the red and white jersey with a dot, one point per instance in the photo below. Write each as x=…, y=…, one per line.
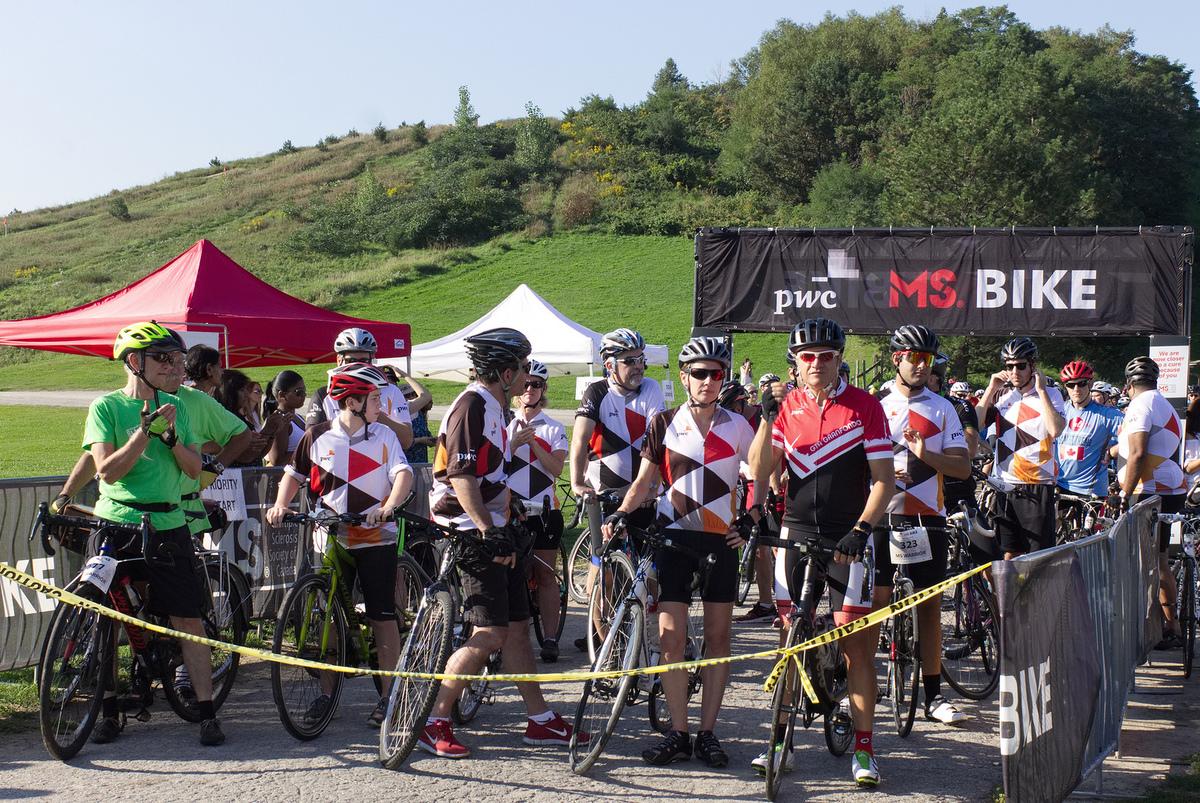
x=937, y=421
x=826, y=449
x=473, y=443
x=699, y=473
x=1024, y=448
x=614, y=450
x=1161, y=474
x=527, y=478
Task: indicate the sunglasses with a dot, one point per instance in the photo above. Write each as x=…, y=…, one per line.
x=1080, y=383
x=631, y=360
x=822, y=357
x=918, y=357
x=1016, y=366
x=166, y=357
x=706, y=373
x=535, y=384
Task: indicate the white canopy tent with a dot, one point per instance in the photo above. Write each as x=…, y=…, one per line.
x=566, y=347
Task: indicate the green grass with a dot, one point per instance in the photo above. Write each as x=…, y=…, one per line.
x=39, y=441
x=18, y=701
x=1179, y=788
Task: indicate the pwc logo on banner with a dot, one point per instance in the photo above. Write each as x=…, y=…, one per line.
x=1015, y=289
x=1025, y=713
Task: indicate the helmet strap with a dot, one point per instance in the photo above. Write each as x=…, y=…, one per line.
x=140, y=373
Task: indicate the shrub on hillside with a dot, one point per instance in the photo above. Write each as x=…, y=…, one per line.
x=419, y=133
x=380, y=133
x=214, y=162
x=118, y=208
x=577, y=202
x=287, y=148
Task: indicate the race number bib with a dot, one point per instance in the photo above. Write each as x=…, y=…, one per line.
x=99, y=571
x=909, y=546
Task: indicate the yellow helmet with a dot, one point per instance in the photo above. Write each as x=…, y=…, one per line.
x=145, y=335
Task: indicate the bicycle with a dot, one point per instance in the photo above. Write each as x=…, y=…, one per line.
x=900, y=638
x=970, y=619
x=747, y=558
x=538, y=509
x=624, y=646
x=319, y=621
x=579, y=559
x=1078, y=516
x=80, y=655
x=1187, y=582
x=825, y=667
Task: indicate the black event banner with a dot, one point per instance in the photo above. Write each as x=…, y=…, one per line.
x=1049, y=674
x=995, y=282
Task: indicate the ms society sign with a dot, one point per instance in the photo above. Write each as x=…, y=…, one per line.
x=994, y=282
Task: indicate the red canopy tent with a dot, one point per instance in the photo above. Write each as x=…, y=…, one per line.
x=204, y=290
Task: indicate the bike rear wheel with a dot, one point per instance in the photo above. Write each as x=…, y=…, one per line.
x=576, y=567
x=747, y=564
x=564, y=594
x=311, y=625
x=411, y=581
x=603, y=699
x=476, y=692
x=1187, y=613
x=426, y=650
x=971, y=640
x=71, y=673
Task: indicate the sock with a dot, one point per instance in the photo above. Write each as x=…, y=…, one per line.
x=108, y=707
x=206, y=709
x=435, y=720
x=862, y=741
x=543, y=717
x=933, y=687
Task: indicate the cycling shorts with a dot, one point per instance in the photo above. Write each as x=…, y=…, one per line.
x=851, y=589
x=174, y=590
x=547, y=529
x=375, y=568
x=924, y=574
x=1170, y=504
x=676, y=569
x=1025, y=518
x=494, y=595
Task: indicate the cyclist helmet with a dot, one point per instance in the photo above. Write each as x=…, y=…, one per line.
x=355, y=339
x=1019, y=348
x=815, y=332
x=767, y=379
x=538, y=369
x=355, y=379
x=960, y=387
x=915, y=338
x=1101, y=387
x=620, y=340
x=1141, y=371
x=731, y=393
x=145, y=335
x=497, y=349
x=1076, y=369
x=705, y=348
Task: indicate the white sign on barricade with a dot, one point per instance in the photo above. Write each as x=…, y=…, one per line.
x=582, y=382
x=227, y=492
x=1172, y=369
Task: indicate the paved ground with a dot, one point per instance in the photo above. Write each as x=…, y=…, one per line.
x=261, y=762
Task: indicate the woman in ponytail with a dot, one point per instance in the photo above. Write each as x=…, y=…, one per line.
x=284, y=395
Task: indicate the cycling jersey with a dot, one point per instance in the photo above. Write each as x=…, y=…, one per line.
x=700, y=472
x=350, y=473
x=210, y=421
x=614, y=450
x=953, y=488
x=826, y=449
x=936, y=420
x=1082, y=448
x=1150, y=412
x=391, y=403
x=526, y=476
x=1024, y=448
x=155, y=477
x=473, y=444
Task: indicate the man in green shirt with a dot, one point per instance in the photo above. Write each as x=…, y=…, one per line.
x=141, y=440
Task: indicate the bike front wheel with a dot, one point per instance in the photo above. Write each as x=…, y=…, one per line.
x=71, y=674
x=904, y=670
x=786, y=701
x=603, y=699
x=1186, y=584
x=971, y=640
x=311, y=625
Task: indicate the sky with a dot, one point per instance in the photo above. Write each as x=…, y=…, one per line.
x=103, y=96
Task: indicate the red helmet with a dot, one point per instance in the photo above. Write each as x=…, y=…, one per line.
x=1077, y=369
x=355, y=379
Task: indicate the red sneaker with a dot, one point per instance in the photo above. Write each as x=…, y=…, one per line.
x=556, y=731
x=438, y=739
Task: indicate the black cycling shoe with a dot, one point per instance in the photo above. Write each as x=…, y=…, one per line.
x=108, y=729
x=211, y=734
x=550, y=650
x=581, y=643
x=709, y=750
x=675, y=746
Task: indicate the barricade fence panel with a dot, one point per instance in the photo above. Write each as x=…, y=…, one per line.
x=269, y=556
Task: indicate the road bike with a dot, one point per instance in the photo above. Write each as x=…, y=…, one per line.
x=970, y=618
x=539, y=510
x=1187, y=582
x=1079, y=516
x=579, y=559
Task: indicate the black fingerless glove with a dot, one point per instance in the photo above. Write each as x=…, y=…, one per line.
x=619, y=522
x=168, y=437
x=497, y=543
x=745, y=526
x=854, y=543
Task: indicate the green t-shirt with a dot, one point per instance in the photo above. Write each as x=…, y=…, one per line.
x=155, y=477
x=209, y=421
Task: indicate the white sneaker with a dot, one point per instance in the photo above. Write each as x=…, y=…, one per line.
x=866, y=771
x=781, y=754
x=940, y=710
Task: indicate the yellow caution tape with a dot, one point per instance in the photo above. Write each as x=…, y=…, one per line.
x=68, y=598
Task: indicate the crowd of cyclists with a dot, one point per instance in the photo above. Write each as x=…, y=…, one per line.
x=870, y=476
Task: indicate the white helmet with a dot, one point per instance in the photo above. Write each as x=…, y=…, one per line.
x=355, y=339
x=960, y=387
x=538, y=369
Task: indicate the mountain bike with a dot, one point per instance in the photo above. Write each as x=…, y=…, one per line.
x=1187, y=583
x=320, y=620
x=970, y=618
x=81, y=657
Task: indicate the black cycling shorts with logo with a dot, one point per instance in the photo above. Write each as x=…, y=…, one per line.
x=174, y=590
x=494, y=595
x=1025, y=518
x=847, y=600
x=547, y=529
x=676, y=570
x=375, y=567
x=1170, y=504
x=924, y=574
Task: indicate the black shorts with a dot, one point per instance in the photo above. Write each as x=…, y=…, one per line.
x=175, y=590
x=494, y=595
x=375, y=567
x=1025, y=518
x=547, y=529
x=1170, y=504
x=924, y=574
x=851, y=590
x=676, y=570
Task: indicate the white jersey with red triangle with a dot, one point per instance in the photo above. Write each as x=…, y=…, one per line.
x=937, y=421
x=1024, y=448
x=1151, y=413
x=614, y=450
x=527, y=478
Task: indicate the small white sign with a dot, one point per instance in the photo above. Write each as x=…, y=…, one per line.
x=398, y=343
x=1172, y=370
x=668, y=389
x=227, y=492
x=582, y=382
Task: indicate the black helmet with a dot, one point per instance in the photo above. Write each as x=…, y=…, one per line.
x=1019, y=348
x=915, y=337
x=497, y=349
x=1141, y=371
x=731, y=392
x=817, y=332
x=705, y=348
